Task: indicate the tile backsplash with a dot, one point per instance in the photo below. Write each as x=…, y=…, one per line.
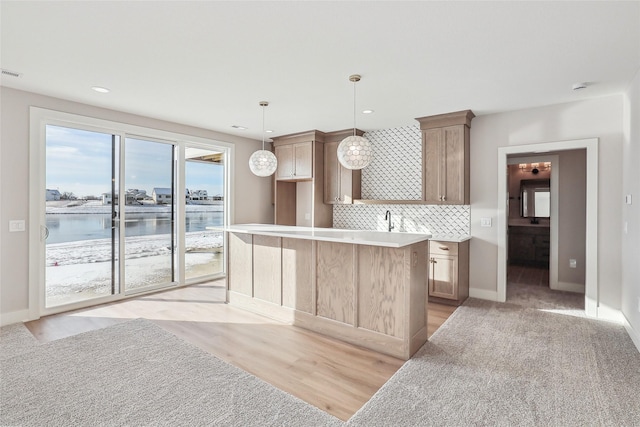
x=441, y=220
x=395, y=173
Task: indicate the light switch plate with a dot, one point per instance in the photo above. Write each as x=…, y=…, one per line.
x=627, y=199
x=485, y=222
x=572, y=263
x=16, y=225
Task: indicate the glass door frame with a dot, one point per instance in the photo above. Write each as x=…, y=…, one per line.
x=39, y=119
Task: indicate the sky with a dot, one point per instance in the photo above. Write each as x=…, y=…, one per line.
x=79, y=161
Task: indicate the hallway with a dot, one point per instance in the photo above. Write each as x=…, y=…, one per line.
x=529, y=286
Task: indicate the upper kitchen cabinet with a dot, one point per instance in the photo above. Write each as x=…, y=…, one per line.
x=299, y=180
x=295, y=160
x=445, y=158
x=341, y=185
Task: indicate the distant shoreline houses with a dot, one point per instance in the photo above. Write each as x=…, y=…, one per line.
x=53, y=195
x=134, y=196
x=161, y=196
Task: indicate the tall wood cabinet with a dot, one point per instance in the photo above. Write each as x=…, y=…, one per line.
x=299, y=180
x=445, y=157
x=448, y=272
x=341, y=185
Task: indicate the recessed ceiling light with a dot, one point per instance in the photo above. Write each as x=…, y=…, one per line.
x=578, y=86
x=268, y=131
x=238, y=127
x=100, y=89
x=367, y=111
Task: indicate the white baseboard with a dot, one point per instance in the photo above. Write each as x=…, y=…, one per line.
x=14, y=317
x=635, y=335
x=610, y=314
x=483, y=294
x=569, y=287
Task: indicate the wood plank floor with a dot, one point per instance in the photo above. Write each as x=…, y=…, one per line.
x=332, y=375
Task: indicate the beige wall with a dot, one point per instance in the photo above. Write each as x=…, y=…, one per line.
x=600, y=118
x=252, y=194
x=631, y=213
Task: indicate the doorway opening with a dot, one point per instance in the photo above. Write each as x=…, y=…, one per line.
x=557, y=251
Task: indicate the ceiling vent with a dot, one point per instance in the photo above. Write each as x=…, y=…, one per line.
x=10, y=73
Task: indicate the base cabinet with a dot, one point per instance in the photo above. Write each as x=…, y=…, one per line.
x=529, y=245
x=372, y=296
x=448, y=272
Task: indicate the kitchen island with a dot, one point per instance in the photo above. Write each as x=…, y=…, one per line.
x=368, y=288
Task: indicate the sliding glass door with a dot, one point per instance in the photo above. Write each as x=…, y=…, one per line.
x=122, y=211
x=149, y=214
x=204, y=212
x=81, y=246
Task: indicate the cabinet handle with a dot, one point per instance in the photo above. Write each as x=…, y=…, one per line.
x=444, y=248
x=444, y=198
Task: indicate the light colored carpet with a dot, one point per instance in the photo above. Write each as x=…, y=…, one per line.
x=16, y=339
x=135, y=373
x=509, y=364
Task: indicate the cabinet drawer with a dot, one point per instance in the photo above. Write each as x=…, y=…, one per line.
x=443, y=248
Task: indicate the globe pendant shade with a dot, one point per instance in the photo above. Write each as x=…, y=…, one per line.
x=263, y=163
x=354, y=152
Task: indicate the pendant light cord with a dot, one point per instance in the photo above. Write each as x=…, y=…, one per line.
x=263, y=127
x=354, y=108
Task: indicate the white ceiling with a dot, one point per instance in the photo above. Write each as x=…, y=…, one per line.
x=208, y=64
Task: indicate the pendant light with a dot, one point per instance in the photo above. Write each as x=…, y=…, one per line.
x=263, y=162
x=354, y=152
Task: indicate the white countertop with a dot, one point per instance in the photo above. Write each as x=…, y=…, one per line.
x=359, y=237
x=457, y=238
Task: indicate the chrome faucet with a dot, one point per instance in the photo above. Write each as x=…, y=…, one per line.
x=387, y=217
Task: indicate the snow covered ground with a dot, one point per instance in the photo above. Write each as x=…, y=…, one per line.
x=99, y=250
x=82, y=269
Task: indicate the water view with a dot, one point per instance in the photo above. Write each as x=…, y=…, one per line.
x=89, y=226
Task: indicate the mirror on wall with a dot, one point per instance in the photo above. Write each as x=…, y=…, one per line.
x=535, y=198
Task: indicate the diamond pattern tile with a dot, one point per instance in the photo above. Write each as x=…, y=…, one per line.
x=395, y=173
x=444, y=220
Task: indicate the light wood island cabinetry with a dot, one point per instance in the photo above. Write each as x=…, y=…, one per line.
x=372, y=295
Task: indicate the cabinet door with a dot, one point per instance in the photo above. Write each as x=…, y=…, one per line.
x=431, y=176
x=297, y=274
x=452, y=177
x=331, y=173
x=522, y=247
x=303, y=159
x=443, y=277
x=240, y=273
x=349, y=185
x=284, y=154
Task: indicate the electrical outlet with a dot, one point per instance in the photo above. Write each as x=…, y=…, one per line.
x=307, y=215
x=485, y=222
x=572, y=263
